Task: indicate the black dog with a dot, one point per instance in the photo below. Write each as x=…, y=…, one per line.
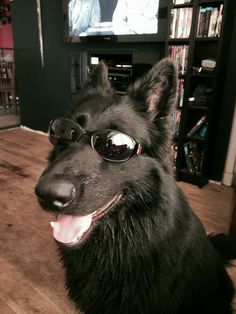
x=128, y=240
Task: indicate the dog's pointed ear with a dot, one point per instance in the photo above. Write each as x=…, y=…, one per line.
x=156, y=91
x=98, y=79
x=155, y=95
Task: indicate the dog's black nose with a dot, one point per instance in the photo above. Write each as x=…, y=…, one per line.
x=55, y=192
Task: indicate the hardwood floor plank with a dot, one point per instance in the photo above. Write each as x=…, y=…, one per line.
x=5, y=308
x=212, y=204
x=32, y=298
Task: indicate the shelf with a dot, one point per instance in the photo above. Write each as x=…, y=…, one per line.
x=6, y=105
x=184, y=41
x=207, y=2
x=121, y=68
x=207, y=39
x=6, y=89
x=184, y=5
x=196, y=107
x=186, y=176
x=196, y=138
x=118, y=74
x=15, y=125
x=199, y=48
x=202, y=74
x=181, y=75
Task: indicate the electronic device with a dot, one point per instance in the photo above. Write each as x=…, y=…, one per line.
x=209, y=63
x=120, y=69
x=112, y=21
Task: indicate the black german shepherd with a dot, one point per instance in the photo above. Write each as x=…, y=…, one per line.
x=128, y=240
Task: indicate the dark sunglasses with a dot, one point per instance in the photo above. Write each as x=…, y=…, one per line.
x=111, y=145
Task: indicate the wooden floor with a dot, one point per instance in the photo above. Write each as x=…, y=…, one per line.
x=31, y=278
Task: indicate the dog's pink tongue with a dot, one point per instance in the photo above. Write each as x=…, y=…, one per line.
x=69, y=229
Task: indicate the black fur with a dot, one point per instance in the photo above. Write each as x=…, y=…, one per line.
x=149, y=254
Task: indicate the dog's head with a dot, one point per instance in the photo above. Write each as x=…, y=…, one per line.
x=105, y=151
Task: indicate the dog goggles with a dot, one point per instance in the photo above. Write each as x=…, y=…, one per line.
x=111, y=145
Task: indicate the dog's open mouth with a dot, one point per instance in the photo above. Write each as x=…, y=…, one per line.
x=71, y=230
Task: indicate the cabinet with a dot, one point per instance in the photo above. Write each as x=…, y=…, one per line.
x=198, y=38
x=9, y=108
x=120, y=69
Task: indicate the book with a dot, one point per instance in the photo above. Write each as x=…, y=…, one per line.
x=197, y=126
x=209, y=21
x=176, y=116
x=9, y=73
x=180, y=92
x=180, y=25
x=203, y=130
x=207, y=17
x=194, y=157
x=189, y=158
x=219, y=21
x=181, y=1
x=180, y=54
x=212, y=23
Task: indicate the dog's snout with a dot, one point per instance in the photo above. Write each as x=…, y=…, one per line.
x=55, y=192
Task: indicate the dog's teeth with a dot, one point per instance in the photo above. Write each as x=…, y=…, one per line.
x=56, y=226
x=52, y=223
x=76, y=239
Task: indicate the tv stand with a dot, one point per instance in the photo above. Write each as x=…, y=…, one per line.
x=125, y=65
x=120, y=69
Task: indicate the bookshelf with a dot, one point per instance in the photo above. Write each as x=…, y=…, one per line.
x=7, y=78
x=9, y=109
x=198, y=30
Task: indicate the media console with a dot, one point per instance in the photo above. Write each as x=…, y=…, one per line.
x=121, y=69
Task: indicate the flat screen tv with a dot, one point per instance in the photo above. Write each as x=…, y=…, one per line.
x=111, y=20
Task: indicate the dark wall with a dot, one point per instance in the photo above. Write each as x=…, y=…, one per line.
x=44, y=92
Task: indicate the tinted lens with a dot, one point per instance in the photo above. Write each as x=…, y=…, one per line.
x=112, y=145
x=64, y=131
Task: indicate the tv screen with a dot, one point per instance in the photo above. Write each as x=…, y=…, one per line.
x=118, y=20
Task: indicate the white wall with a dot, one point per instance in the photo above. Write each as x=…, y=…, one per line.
x=230, y=164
